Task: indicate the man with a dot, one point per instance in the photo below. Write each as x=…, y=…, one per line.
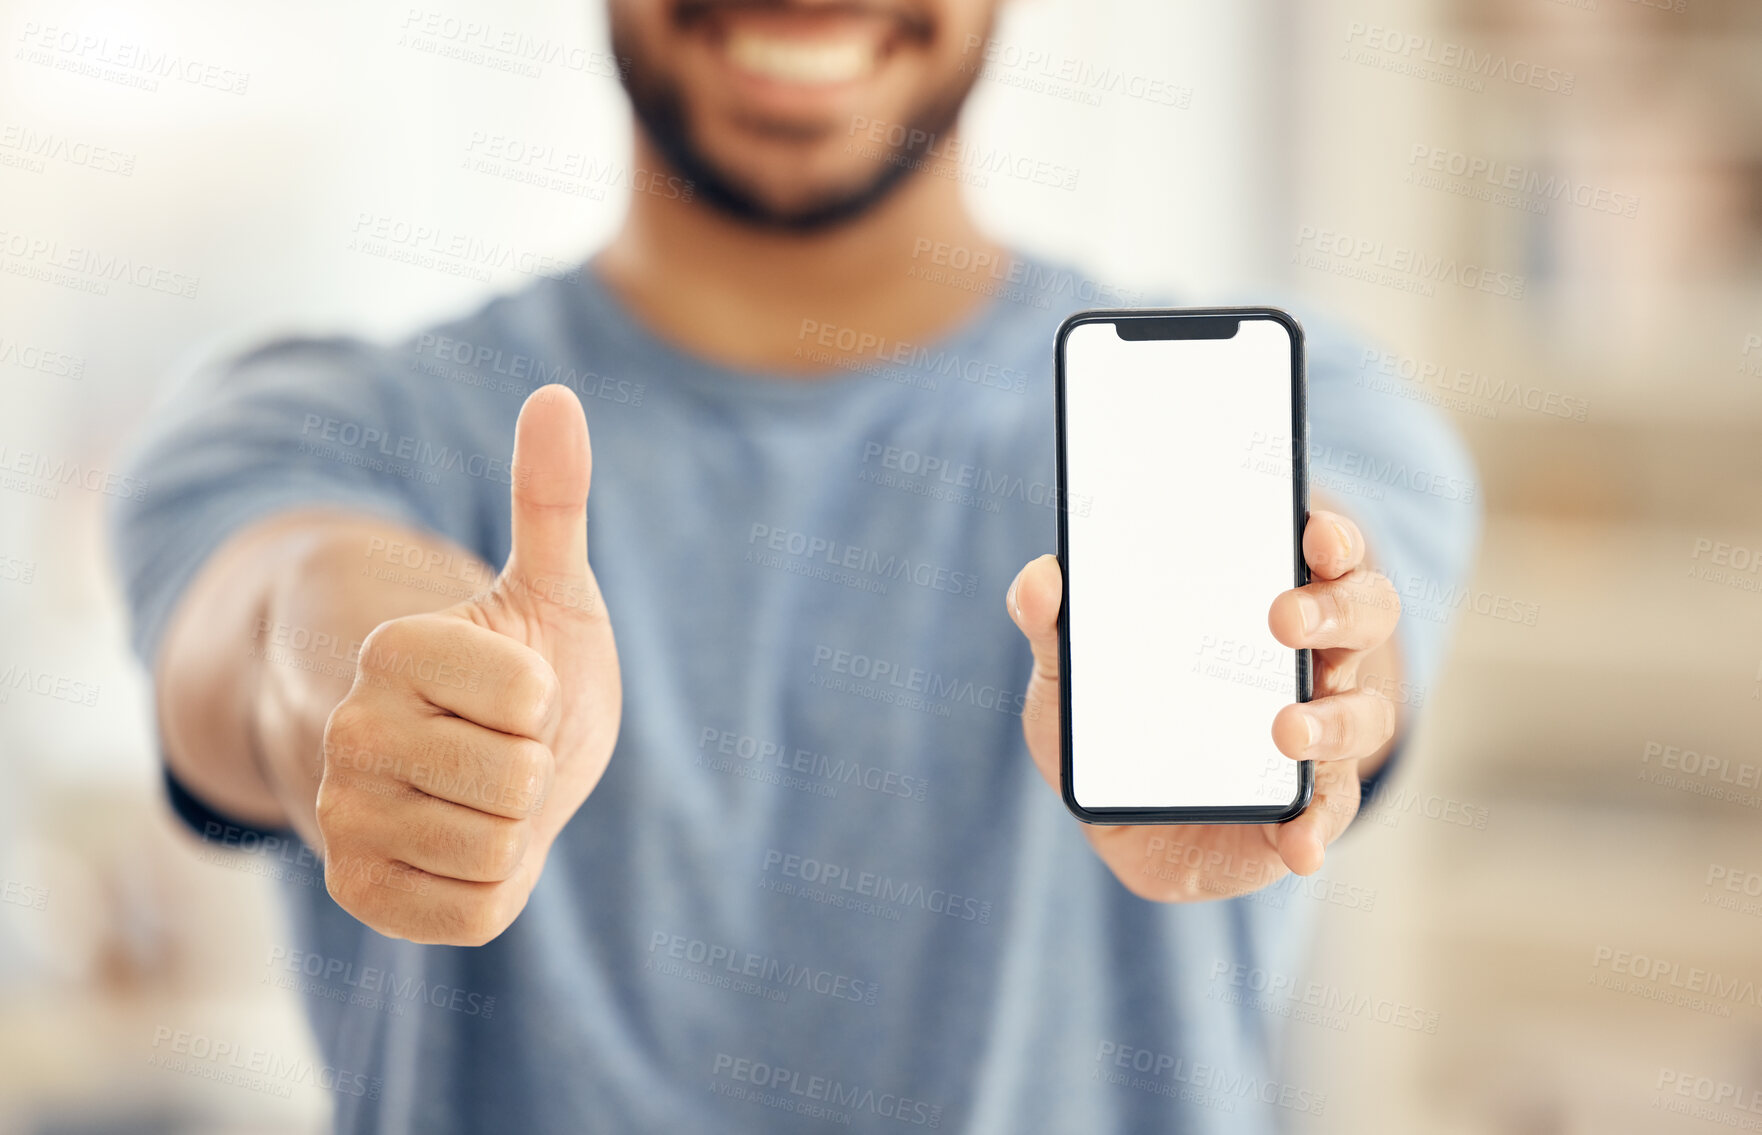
x=783, y=853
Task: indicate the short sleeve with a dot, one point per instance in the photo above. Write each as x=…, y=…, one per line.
x=292, y=425
x=296, y=424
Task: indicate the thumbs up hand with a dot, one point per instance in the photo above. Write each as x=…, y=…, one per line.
x=472, y=734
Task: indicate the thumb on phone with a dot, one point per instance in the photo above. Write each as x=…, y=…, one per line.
x=1033, y=601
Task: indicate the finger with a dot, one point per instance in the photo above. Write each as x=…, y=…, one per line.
x=1033, y=601
x=404, y=902
x=1302, y=843
x=1345, y=726
x=552, y=468
x=455, y=665
x=1332, y=545
x=1358, y=611
x=456, y=760
x=447, y=839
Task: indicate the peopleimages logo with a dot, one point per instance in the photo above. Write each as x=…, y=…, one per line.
x=893, y=678
x=1704, y=766
x=1317, y=1002
x=719, y=961
x=1668, y=980
x=224, y=1061
x=979, y=486
x=31, y=357
x=1196, y=1081
x=1707, y=1090
x=1426, y=57
x=815, y=1096
x=510, y=49
x=87, y=269
x=803, y=769
x=333, y=972
x=818, y=339
x=1349, y=469
x=838, y=879
x=865, y=561
x=1439, y=601
x=1028, y=279
x=1502, y=182
x=1729, y=565
x=1381, y=262
x=24, y=148
x=122, y=61
x=443, y=250
x=411, y=457
x=43, y=476
x=43, y=683
x=918, y=147
x=1463, y=389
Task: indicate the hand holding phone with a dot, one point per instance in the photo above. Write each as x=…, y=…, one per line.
x=1174, y=770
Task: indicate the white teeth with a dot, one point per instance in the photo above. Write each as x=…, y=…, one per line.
x=793, y=60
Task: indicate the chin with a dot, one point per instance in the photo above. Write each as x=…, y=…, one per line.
x=759, y=103
x=794, y=186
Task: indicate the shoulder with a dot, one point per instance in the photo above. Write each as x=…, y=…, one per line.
x=469, y=365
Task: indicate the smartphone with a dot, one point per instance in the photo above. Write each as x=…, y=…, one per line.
x=1183, y=489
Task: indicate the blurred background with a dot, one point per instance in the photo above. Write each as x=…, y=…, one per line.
x=1564, y=884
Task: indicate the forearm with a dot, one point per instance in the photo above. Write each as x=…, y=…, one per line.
x=263, y=645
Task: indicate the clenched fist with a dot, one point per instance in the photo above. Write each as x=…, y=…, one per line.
x=471, y=735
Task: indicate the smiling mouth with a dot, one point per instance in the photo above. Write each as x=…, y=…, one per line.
x=807, y=62
x=800, y=46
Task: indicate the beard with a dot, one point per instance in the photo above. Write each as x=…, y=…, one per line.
x=660, y=113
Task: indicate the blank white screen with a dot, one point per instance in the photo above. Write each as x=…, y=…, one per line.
x=1178, y=478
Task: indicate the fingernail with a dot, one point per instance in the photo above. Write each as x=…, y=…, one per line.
x=1014, y=604
x=1310, y=612
x=1345, y=538
x=1311, y=730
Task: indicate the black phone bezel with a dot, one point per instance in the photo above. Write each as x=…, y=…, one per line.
x=1228, y=814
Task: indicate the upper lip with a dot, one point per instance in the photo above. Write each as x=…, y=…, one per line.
x=908, y=20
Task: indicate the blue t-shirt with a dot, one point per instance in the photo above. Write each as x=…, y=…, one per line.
x=821, y=884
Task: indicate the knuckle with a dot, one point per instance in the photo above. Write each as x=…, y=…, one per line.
x=345, y=879
x=501, y=853
x=1344, y=805
x=1388, y=717
x=381, y=642
x=527, y=774
x=355, y=737
x=344, y=728
x=475, y=920
x=449, y=842
x=1340, y=812
x=343, y=813
x=329, y=812
x=532, y=692
x=1342, y=607
x=388, y=648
